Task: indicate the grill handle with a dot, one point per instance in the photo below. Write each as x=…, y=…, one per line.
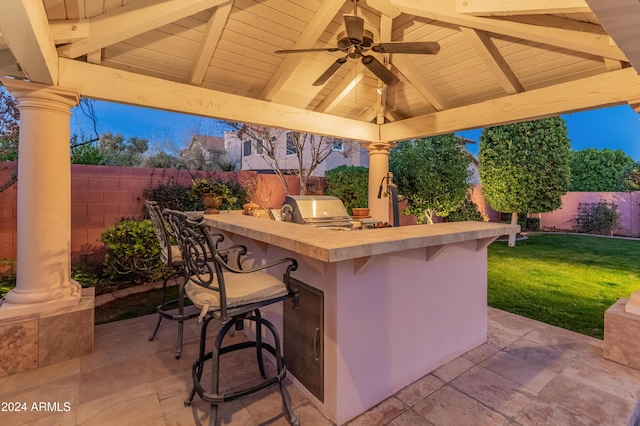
x=286, y=213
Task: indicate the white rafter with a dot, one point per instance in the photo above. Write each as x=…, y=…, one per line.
x=571, y=39
x=133, y=19
x=26, y=32
x=493, y=59
x=210, y=39
x=325, y=14
x=520, y=7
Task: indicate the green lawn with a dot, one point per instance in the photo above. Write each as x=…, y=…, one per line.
x=563, y=280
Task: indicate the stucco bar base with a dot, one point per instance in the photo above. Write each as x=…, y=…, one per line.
x=621, y=331
x=37, y=340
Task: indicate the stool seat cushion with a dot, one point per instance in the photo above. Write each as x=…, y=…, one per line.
x=241, y=289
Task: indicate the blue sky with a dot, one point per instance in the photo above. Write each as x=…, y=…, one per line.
x=614, y=128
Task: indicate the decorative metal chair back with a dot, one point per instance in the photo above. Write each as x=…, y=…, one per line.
x=163, y=232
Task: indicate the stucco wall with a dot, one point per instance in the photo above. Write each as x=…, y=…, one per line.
x=628, y=203
x=102, y=195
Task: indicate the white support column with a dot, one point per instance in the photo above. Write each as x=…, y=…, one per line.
x=378, y=169
x=44, y=201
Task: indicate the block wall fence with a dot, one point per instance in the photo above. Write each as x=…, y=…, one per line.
x=563, y=219
x=102, y=195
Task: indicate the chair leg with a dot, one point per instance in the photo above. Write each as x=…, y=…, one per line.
x=282, y=371
x=259, y=345
x=199, y=364
x=155, y=330
x=161, y=306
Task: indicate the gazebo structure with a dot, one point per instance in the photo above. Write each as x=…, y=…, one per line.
x=498, y=62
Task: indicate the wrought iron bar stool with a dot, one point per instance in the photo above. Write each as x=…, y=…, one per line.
x=230, y=295
x=172, y=259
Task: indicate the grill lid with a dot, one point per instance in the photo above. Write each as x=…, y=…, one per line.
x=318, y=210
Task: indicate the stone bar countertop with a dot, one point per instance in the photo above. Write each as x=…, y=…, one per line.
x=337, y=245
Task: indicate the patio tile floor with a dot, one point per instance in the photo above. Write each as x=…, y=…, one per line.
x=528, y=373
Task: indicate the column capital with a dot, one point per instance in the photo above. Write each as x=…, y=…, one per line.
x=380, y=147
x=24, y=90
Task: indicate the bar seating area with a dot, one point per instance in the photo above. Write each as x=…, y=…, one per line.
x=231, y=295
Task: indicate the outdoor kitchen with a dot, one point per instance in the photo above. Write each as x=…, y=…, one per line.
x=378, y=308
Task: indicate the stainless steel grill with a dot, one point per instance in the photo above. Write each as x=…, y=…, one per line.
x=316, y=210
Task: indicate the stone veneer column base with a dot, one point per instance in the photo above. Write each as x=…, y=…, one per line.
x=32, y=341
x=621, y=331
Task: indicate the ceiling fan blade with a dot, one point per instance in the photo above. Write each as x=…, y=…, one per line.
x=355, y=28
x=330, y=49
x=417, y=47
x=378, y=68
x=330, y=71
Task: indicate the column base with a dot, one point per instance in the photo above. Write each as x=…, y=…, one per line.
x=621, y=331
x=36, y=340
x=12, y=310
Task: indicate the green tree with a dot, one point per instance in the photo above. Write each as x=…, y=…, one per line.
x=9, y=127
x=432, y=174
x=630, y=178
x=524, y=167
x=598, y=170
x=350, y=184
x=120, y=152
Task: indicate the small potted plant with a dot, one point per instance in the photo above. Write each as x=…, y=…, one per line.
x=211, y=194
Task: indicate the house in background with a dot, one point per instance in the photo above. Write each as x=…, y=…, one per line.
x=209, y=152
x=253, y=157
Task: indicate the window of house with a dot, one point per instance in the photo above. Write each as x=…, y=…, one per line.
x=338, y=145
x=246, y=148
x=260, y=146
x=292, y=147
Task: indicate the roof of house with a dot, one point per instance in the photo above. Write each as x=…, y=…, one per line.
x=208, y=143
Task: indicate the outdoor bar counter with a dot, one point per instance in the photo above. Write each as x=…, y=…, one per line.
x=397, y=302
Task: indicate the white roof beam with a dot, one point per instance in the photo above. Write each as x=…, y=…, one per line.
x=308, y=38
x=26, y=32
x=132, y=19
x=520, y=7
x=566, y=38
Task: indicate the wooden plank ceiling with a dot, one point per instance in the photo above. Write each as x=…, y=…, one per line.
x=500, y=60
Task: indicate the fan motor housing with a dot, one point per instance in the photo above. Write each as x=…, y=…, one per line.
x=344, y=42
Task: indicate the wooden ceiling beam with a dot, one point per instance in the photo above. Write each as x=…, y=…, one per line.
x=620, y=18
x=99, y=82
x=210, y=39
x=570, y=39
x=68, y=31
x=610, y=89
x=132, y=19
x=520, y=7
x=26, y=32
x=421, y=84
x=493, y=59
x=308, y=39
x=8, y=65
x=343, y=88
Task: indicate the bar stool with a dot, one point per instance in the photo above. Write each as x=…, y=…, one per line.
x=230, y=295
x=172, y=260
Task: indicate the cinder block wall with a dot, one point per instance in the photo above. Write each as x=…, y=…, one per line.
x=628, y=203
x=102, y=195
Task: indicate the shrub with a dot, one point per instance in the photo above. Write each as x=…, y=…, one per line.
x=596, y=218
x=7, y=276
x=350, y=184
x=173, y=195
x=468, y=210
x=132, y=252
x=526, y=223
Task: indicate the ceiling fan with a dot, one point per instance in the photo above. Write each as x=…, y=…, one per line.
x=356, y=41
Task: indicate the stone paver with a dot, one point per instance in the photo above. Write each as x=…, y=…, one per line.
x=528, y=373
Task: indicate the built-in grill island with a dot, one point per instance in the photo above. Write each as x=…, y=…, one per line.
x=322, y=211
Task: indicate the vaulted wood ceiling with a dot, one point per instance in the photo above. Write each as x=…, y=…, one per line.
x=500, y=60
